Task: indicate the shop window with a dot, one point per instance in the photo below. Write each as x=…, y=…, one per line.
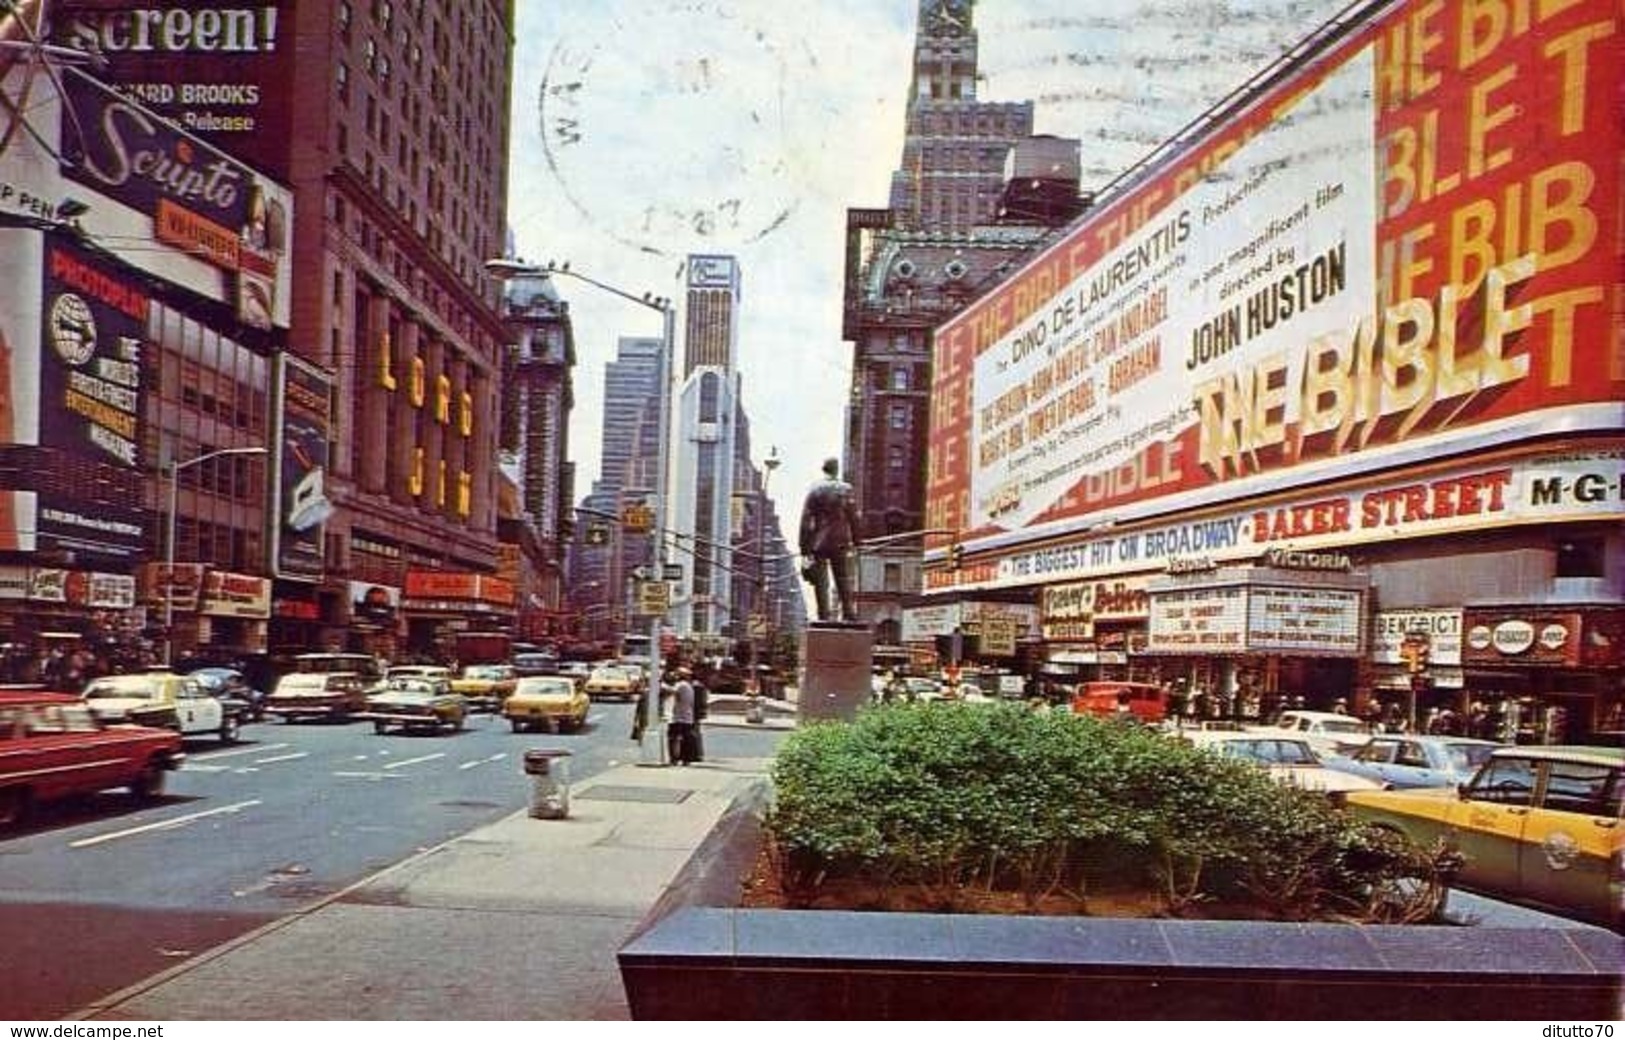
x=1580, y=558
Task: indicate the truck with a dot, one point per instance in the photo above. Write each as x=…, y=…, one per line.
x=484, y=648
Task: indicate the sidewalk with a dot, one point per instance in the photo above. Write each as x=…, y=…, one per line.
x=518, y=920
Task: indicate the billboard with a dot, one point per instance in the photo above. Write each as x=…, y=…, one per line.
x=220, y=71
x=197, y=199
x=92, y=374
x=300, y=452
x=1407, y=244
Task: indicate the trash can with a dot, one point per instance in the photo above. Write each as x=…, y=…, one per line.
x=754, y=710
x=549, y=773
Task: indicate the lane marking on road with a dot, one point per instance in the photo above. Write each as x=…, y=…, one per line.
x=370, y=776
x=415, y=761
x=281, y=758
x=162, y=825
x=499, y=756
x=257, y=749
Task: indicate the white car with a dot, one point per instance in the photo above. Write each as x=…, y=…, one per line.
x=1288, y=758
x=177, y=702
x=1328, y=732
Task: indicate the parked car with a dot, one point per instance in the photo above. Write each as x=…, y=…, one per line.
x=412, y=702
x=52, y=746
x=553, y=701
x=1409, y=760
x=1144, y=702
x=1289, y=759
x=164, y=699
x=580, y=671
x=231, y=684
x=486, y=685
x=1328, y=732
x=1538, y=825
x=325, y=685
x=615, y=680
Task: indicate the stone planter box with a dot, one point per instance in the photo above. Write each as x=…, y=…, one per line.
x=698, y=956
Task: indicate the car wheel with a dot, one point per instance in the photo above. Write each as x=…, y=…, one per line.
x=457, y=724
x=149, y=784
x=14, y=803
x=516, y=724
x=378, y=726
x=230, y=729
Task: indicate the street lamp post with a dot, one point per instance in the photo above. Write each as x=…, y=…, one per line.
x=175, y=467
x=652, y=747
x=759, y=610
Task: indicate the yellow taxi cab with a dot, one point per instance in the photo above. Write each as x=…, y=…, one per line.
x=486, y=685
x=1537, y=825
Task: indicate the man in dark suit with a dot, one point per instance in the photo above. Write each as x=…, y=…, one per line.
x=829, y=526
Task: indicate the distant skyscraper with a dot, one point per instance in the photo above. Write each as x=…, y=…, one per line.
x=602, y=559
x=707, y=401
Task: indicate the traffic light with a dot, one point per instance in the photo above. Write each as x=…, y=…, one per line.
x=1415, y=652
x=956, y=556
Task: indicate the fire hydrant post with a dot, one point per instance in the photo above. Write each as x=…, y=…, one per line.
x=549, y=772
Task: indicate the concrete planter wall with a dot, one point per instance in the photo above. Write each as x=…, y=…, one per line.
x=700, y=957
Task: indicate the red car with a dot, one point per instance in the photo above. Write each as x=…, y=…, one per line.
x=52, y=747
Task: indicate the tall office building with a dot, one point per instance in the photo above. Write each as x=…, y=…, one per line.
x=602, y=559
x=952, y=230
x=707, y=399
x=389, y=120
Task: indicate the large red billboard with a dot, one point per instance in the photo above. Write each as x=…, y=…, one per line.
x=1406, y=245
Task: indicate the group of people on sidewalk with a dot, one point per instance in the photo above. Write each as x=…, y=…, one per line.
x=683, y=704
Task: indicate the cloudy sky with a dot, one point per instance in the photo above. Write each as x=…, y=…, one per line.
x=644, y=131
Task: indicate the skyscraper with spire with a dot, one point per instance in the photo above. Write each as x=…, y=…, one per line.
x=950, y=233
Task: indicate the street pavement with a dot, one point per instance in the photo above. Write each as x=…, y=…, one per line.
x=517, y=920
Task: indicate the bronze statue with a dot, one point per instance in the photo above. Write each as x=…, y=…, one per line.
x=829, y=526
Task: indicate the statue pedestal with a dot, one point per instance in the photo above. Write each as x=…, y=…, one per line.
x=835, y=670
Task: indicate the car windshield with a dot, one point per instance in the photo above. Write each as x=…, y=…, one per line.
x=484, y=671
x=1270, y=752
x=317, y=663
x=1464, y=758
x=547, y=686
x=1343, y=726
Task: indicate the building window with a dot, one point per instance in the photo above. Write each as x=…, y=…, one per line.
x=893, y=578
x=1580, y=558
x=342, y=76
x=899, y=377
x=899, y=417
x=344, y=20
x=895, y=457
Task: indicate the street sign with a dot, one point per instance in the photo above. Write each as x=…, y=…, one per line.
x=654, y=597
x=638, y=519
x=640, y=573
x=998, y=637
x=672, y=571
x=758, y=625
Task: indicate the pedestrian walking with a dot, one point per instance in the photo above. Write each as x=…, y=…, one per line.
x=702, y=708
x=680, y=728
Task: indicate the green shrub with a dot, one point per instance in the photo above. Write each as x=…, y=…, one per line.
x=951, y=798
